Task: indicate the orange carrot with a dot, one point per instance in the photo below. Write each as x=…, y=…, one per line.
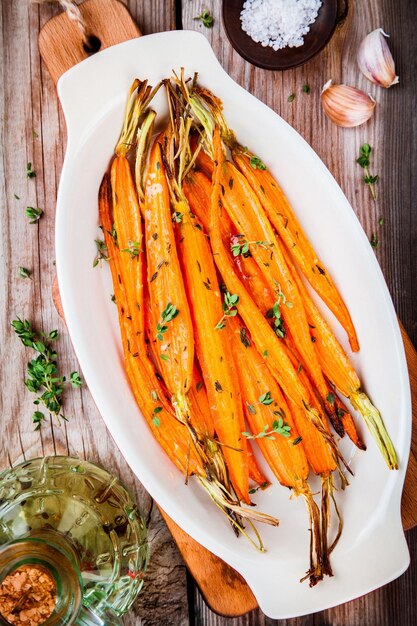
x=167, y=430
x=212, y=347
x=249, y=218
x=275, y=431
x=279, y=211
x=337, y=368
x=255, y=472
x=170, y=310
x=197, y=188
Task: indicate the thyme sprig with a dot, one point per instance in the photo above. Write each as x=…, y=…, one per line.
x=206, y=18
x=43, y=376
x=279, y=427
x=229, y=309
x=133, y=248
x=168, y=314
x=275, y=312
x=102, y=252
x=242, y=247
x=364, y=162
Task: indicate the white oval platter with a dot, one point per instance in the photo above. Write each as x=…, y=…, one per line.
x=373, y=549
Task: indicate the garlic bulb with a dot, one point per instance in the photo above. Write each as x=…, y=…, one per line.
x=346, y=106
x=375, y=59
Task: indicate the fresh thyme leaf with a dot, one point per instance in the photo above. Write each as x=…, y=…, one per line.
x=156, y=419
x=306, y=88
x=43, y=376
x=243, y=246
x=29, y=171
x=35, y=134
x=102, y=252
x=381, y=221
x=133, y=248
x=24, y=272
x=177, y=217
x=38, y=418
x=374, y=241
x=206, y=18
x=291, y=97
x=278, y=426
x=265, y=353
x=75, y=380
x=164, y=357
x=257, y=163
x=16, y=196
x=33, y=213
x=229, y=309
x=364, y=161
x=266, y=398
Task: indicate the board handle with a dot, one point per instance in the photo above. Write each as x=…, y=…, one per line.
x=61, y=45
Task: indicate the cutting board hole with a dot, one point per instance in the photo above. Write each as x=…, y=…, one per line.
x=92, y=45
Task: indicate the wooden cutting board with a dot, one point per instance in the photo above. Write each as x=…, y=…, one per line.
x=224, y=590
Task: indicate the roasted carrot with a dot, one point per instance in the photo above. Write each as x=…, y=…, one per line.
x=275, y=431
x=170, y=310
x=167, y=430
x=197, y=188
x=337, y=368
x=279, y=211
x=255, y=472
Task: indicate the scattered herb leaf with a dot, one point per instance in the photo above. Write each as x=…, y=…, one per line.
x=30, y=173
x=291, y=97
x=33, y=213
x=75, y=380
x=257, y=163
x=306, y=88
x=364, y=161
x=24, y=272
x=229, y=309
x=102, y=252
x=206, y=18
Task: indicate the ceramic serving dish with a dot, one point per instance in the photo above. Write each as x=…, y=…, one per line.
x=373, y=549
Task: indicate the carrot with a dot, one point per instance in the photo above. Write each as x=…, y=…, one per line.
x=337, y=368
x=279, y=211
x=167, y=430
x=275, y=431
x=197, y=188
x=255, y=472
x=264, y=338
x=250, y=219
x=170, y=310
x=203, y=161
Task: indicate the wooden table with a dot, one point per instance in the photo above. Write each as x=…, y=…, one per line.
x=34, y=130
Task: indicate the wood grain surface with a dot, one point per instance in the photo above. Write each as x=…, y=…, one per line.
x=34, y=131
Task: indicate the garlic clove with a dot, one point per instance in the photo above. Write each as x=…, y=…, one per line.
x=375, y=59
x=346, y=106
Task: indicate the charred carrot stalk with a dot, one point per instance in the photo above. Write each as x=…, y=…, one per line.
x=340, y=373
x=275, y=431
x=279, y=211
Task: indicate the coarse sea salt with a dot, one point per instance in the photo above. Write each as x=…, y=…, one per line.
x=279, y=23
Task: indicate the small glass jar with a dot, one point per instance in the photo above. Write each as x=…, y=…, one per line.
x=79, y=524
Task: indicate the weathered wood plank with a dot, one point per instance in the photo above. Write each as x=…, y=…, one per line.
x=29, y=106
x=389, y=133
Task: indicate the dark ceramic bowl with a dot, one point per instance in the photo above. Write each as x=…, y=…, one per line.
x=319, y=35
